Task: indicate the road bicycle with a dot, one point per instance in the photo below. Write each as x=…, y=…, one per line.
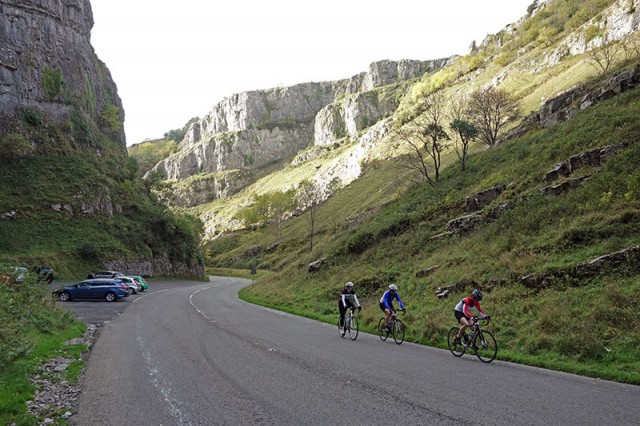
x=350, y=325
x=480, y=341
x=396, y=328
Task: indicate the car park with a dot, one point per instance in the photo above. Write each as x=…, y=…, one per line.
x=144, y=285
x=107, y=274
x=131, y=283
x=107, y=289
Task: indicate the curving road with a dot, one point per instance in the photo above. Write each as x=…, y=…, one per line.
x=194, y=354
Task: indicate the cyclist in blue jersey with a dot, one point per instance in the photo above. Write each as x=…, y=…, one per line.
x=348, y=299
x=386, y=302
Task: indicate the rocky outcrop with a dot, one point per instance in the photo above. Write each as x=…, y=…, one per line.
x=47, y=62
x=252, y=129
x=623, y=260
x=352, y=115
x=155, y=266
x=564, y=106
x=480, y=199
x=204, y=189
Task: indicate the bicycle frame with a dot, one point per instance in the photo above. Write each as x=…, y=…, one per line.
x=480, y=341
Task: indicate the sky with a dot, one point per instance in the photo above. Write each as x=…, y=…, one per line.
x=172, y=61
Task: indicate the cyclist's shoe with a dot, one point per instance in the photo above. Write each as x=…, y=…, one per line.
x=456, y=341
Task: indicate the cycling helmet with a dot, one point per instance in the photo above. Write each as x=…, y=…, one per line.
x=477, y=294
x=393, y=287
x=349, y=284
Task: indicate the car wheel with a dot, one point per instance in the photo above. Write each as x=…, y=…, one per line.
x=110, y=297
x=65, y=296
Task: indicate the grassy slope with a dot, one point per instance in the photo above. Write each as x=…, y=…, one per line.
x=32, y=332
x=588, y=327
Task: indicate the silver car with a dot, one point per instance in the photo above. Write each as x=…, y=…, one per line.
x=133, y=285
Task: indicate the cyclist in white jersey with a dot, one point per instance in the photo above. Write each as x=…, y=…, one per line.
x=348, y=299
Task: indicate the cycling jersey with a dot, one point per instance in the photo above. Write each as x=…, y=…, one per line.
x=387, y=300
x=349, y=299
x=468, y=303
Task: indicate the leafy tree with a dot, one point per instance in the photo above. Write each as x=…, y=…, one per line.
x=489, y=110
x=178, y=134
x=424, y=133
x=464, y=130
x=268, y=209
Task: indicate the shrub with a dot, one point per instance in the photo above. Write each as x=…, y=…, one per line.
x=52, y=82
x=110, y=117
x=31, y=116
x=14, y=146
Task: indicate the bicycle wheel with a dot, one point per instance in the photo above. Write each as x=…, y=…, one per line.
x=398, y=332
x=381, y=330
x=353, y=328
x=487, y=346
x=456, y=349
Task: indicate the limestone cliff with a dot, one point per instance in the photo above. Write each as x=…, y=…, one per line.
x=47, y=62
x=252, y=129
x=63, y=157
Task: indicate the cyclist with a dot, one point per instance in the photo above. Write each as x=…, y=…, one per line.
x=464, y=316
x=348, y=299
x=386, y=303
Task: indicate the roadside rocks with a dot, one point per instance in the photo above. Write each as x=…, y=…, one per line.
x=56, y=398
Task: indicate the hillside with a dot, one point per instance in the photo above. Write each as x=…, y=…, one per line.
x=71, y=197
x=555, y=252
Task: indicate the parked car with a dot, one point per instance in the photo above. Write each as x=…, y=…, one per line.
x=107, y=289
x=107, y=274
x=144, y=285
x=45, y=274
x=132, y=284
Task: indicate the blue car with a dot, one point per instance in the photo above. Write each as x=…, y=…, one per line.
x=109, y=290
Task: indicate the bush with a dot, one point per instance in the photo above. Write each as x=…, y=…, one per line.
x=52, y=82
x=14, y=146
x=110, y=117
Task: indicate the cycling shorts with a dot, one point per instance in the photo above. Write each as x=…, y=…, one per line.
x=382, y=307
x=459, y=315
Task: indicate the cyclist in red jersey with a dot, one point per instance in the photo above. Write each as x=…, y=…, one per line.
x=464, y=316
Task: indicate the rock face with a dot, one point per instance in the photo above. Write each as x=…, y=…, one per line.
x=252, y=129
x=47, y=61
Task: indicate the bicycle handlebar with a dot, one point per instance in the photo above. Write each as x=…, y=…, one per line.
x=487, y=319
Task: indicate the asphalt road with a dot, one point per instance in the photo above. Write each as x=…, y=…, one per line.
x=193, y=353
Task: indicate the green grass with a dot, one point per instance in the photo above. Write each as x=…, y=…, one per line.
x=33, y=331
x=588, y=326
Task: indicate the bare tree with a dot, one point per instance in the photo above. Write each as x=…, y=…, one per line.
x=489, y=110
x=424, y=133
x=604, y=55
x=462, y=127
x=308, y=197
